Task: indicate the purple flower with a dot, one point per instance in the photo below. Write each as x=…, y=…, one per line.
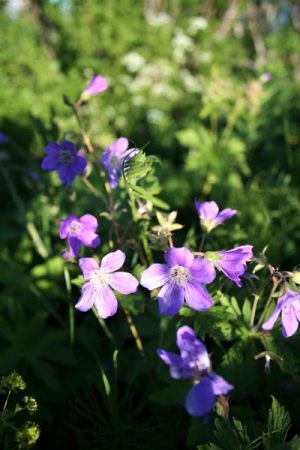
x=266, y=76
x=113, y=157
x=96, y=85
x=3, y=138
x=79, y=231
x=97, y=291
x=210, y=216
x=183, y=277
x=64, y=158
x=289, y=307
x=232, y=262
x=194, y=362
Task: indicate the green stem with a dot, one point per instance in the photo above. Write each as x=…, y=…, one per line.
x=71, y=307
x=269, y=301
x=202, y=242
x=104, y=326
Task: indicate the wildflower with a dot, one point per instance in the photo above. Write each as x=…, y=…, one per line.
x=289, y=307
x=3, y=138
x=265, y=77
x=194, y=362
x=97, y=291
x=183, y=277
x=96, y=85
x=79, y=231
x=210, y=216
x=113, y=157
x=232, y=262
x=64, y=158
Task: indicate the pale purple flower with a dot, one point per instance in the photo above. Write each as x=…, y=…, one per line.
x=64, y=158
x=3, y=138
x=183, y=277
x=265, y=77
x=194, y=362
x=79, y=231
x=210, y=216
x=289, y=307
x=96, y=85
x=113, y=157
x=233, y=262
x=101, y=280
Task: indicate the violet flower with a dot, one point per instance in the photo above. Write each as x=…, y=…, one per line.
x=64, y=158
x=101, y=280
x=194, y=362
x=232, y=262
x=209, y=214
x=289, y=307
x=3, y=138
x=79, y=231
x=113, y=157
x=96, y=85
x=183, y=277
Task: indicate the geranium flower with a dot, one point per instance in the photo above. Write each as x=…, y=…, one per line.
x=289, y=307
x=194, y=362
x=79, y=231
x=96, y=85
x=101, y=280
x=232, y=262
x=209, y=214
x=64, y=158
x=183, y=277
x=3, y=138
x=113, y=157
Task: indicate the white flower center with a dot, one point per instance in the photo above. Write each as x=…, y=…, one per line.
x=74, y=228
x=115, y=161
x=180, y=275
x=100, y=277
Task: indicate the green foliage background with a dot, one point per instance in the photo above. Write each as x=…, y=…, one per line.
x=196, y=99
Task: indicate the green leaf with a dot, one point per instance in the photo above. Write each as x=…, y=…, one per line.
x=277, y=426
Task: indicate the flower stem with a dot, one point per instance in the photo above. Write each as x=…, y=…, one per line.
x=203, y=238
x=104, y=326
x=276, y=282
x=137, y=339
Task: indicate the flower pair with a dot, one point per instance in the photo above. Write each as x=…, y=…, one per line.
x=194, y=363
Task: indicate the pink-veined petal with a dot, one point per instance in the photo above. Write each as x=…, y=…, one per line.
x=106, y=302
x=88, y=266
x=155, y=276
x=123, y=282
x=170, y=299
x=113, y=261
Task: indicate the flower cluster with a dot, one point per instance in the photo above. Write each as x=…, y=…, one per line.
x=194, y=363
x=182, y=278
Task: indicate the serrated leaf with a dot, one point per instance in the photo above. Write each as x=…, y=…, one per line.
x=278, y=425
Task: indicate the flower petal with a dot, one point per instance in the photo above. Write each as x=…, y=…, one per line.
x=119, y=146
x=105, y=302
x=203, y=271
x=50, y=163
x=87, y=298
x=64, y=225
x=219, y=385
x=200, y=399
x=89, y=222
x=113, y=261
x=170, y=299
x=197, y=297
x=289, y=321
x=78, y=164
x=192, y=349
x=225, y=214
x=123, y=282
x=269, y=324
x=177, y=366
x=207, y=210
x=179, y=257
x=155, y=276
x=66, y=174
x=88, y=266
x=53, y=149
x=74, y=246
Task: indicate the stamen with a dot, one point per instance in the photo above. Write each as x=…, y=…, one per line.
x=180, y=275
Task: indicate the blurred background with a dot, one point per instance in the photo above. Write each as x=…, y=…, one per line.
x=212, y=87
